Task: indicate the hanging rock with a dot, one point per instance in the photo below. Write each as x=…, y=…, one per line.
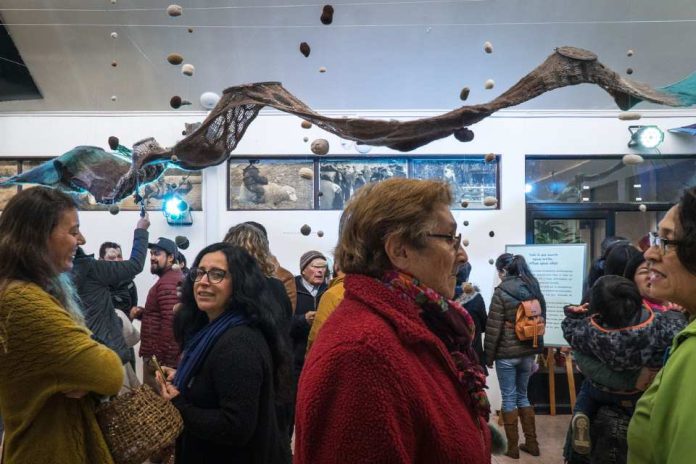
x=174, y=10
x=491, y=261
x=113, y=142
x=629, y=116
x=322, y=69
x=175, y=102
x=305, y=139
x=175, y=58
x=114, y=98
x=464, y=94
x=306, y=125
x=114, y=209
x=642, y=208
x=190, y=30
x=488, y=47
x=490, y=201
x=466, y=223
x=188, y=69
x=304, y=49
x=632, y=159
x=327, y=14
x=489, y=84
x=491, y=234
x=464, y=134
x=306, y=173
x=465, y=204
x=629, y=71
x=489, y=158
x=465, y=242
x=629, y=52
x=320, y=233
x=114, y=64
x=305, y=230
x=320, y=147
x=114, y=35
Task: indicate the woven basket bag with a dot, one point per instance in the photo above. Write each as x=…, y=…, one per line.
x=137, y=424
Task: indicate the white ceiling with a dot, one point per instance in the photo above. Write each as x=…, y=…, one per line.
x=388, y=54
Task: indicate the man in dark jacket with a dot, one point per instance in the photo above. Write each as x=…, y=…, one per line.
x=125, y=294
x=93, y=280
x=310, y=285
x=156, y=333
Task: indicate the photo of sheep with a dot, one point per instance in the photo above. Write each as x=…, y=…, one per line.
x=471, y=178
x=8, y=168
x=340, y=178
x=270, y=184
x=188, y=185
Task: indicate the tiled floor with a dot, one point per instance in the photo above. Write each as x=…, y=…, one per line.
x=551, y=431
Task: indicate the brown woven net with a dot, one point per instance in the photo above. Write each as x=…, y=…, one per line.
x=138, y=424
x=213, y=142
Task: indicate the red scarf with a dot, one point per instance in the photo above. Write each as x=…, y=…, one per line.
x=452, y=324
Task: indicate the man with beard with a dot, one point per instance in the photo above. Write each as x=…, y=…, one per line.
x=156, y=334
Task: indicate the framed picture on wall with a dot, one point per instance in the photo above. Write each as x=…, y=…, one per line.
x=188, y=185
x=340, y=178
x=276, y=184
x=471, y=178
x=8, y=168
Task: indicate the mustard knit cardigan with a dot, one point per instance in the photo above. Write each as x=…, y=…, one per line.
x=43, y=353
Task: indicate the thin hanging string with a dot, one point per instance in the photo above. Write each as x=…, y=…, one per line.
x=13, y=62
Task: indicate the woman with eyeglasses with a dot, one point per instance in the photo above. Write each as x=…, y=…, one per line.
x=514, y=358
x=234, y=366
x=392, y=376
x=662, y=429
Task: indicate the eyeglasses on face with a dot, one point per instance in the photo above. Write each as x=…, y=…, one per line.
x=214, y=275
x=661, y=242
x=454, y=240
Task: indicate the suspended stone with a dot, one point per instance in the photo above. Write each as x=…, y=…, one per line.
x=466, y=223
x=305, y=49
x=322, y=69
x=320, y=147
x=629, y=52
x=114, y=64
x=491, y=234
x=465, y=204
x=188, y=69
x=491, y=261
x=465, y=242
x=490, y=201
x=306, y=173
x=464, y=94
x=320, y=233
x=488, y=47
x=490, y=157
x=629, y=116
x=175, y=58
x=464, y=134
x=629, y=71
x=174, y=10
x=113, y=142
x=632, y=159
x=114, y=35
x=114, y=209
x=306, y=124
x=327, y=15
x=305, y=230
x=642, y=208
x=489, y=84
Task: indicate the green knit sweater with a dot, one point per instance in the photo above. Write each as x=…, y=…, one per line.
x=44, y=353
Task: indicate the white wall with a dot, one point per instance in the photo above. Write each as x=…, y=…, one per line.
x=512, y=134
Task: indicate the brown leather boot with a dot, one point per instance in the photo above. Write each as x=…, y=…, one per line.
x=531, y=445
x=512, y=433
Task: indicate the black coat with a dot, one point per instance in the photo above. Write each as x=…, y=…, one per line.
x=229, y=410
x=476, y=308
x=94, y=280
x=299, y=330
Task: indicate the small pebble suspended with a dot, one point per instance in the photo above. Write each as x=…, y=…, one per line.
x=305, y=230
x=488, y=47
x=464, y=94
x=490, y=157
x=306, y=125
x=320, y=147
x=327, y=15
x=489, y=84
x=305, y=49
x=174, y=10
x=175, y=58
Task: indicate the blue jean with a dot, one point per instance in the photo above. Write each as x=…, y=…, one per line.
x=591, y=398
x=513, y=377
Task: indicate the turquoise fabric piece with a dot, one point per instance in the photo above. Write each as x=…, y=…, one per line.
x=684, y=90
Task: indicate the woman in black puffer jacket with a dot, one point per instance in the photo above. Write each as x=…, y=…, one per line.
x=513, y=358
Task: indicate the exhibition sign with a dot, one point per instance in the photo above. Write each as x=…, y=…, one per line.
x=560, y=269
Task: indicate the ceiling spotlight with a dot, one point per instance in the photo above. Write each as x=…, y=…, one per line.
x=645, y=136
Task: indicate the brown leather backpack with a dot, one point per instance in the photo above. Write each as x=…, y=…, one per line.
x=529, y=323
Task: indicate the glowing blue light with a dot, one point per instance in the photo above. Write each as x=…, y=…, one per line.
x=174, y=207
x=528, y=188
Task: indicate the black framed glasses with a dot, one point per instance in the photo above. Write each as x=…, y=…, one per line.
x=454, y=240
x=661, y=242
x=215, y=275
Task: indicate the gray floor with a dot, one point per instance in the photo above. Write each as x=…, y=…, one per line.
x=551, y=431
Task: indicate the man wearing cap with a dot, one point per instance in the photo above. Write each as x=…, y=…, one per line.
x=311, y=284
x=156, y=335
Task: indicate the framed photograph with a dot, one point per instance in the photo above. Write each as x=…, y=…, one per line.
x=277, y=184
x=8, y=168
x=470, y=177
x=340, y=178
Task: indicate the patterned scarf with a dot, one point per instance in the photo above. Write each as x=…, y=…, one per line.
x=200, y=345
x=452, y=324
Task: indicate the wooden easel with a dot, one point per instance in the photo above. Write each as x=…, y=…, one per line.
x=551, y=364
